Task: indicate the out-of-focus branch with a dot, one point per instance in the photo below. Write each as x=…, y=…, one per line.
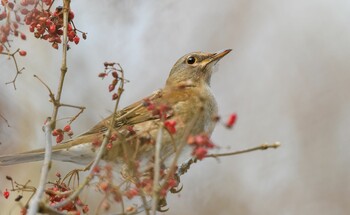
x=18, y=70
x=34, y=202
x=7, y=122
x=156, y=178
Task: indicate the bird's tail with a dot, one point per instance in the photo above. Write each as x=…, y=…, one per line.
x=21, y=158
x=78, y=154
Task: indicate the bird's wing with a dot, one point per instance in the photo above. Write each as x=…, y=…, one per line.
x=130, y=115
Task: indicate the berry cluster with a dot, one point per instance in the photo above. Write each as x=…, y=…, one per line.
x=10, y=27
x=48, y=25
x=43, y=23
x=111, y=69
x=59, y=133
x=162, y=111
x=59, y=192
x=201, y=144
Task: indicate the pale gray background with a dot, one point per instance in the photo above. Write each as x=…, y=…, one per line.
x=287, y=78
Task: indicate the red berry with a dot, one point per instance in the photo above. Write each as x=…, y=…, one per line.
x=104, y=186
x=52, y=28
x=69, y=27
x=59, y=138
x=22, y=53
x=115, y=74
x=102, y=75
x=55, y=132
x=24, y=2
x=3, y=39
x=24, y=11
x=170, y=126
x=31, y=29
x=76, y=39
x=6, y=194
x=18, y=18
x=111, y=87
x=231, y=120
x=23, y=36
x=71, y=15
x=11, y=5
x=67, y=128
x=60, y=32
x=115, y=96
x=200, y=152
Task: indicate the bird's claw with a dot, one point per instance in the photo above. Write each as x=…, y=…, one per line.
x=176, y=189
x=161, y=204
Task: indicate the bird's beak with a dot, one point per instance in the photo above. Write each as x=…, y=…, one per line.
x=214, y=58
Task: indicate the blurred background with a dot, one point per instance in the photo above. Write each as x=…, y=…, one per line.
x=287, y=78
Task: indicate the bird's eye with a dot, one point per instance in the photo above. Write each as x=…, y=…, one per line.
x=191, y=60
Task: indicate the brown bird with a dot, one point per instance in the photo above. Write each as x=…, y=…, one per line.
x=186, y=103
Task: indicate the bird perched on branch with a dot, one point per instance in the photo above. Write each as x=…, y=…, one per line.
x=185, y=106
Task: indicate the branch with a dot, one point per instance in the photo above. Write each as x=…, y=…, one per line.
x=7, y=122
x=155, y=190
x=186, y=166
x=261, y=147
x=51, y=95
x=58, y=104
x=66, y=6
x=34, y=202
x=18, y=71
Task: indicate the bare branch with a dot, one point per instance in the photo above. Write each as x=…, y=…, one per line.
x=7, y=122
x=261, y=147
x=52, y=96
x=18, y=70
x=186, y=165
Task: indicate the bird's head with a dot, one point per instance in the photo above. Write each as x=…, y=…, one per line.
x=195, y=67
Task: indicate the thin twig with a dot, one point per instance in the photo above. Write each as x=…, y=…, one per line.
x=57, y=103
x=261, y=147
x=7, y=122
x=74, y=106
x=34, y=203
x=186, y=165
x=52, y=96
x=18, y=71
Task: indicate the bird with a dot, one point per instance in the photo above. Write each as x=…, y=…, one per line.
x=186, y=102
